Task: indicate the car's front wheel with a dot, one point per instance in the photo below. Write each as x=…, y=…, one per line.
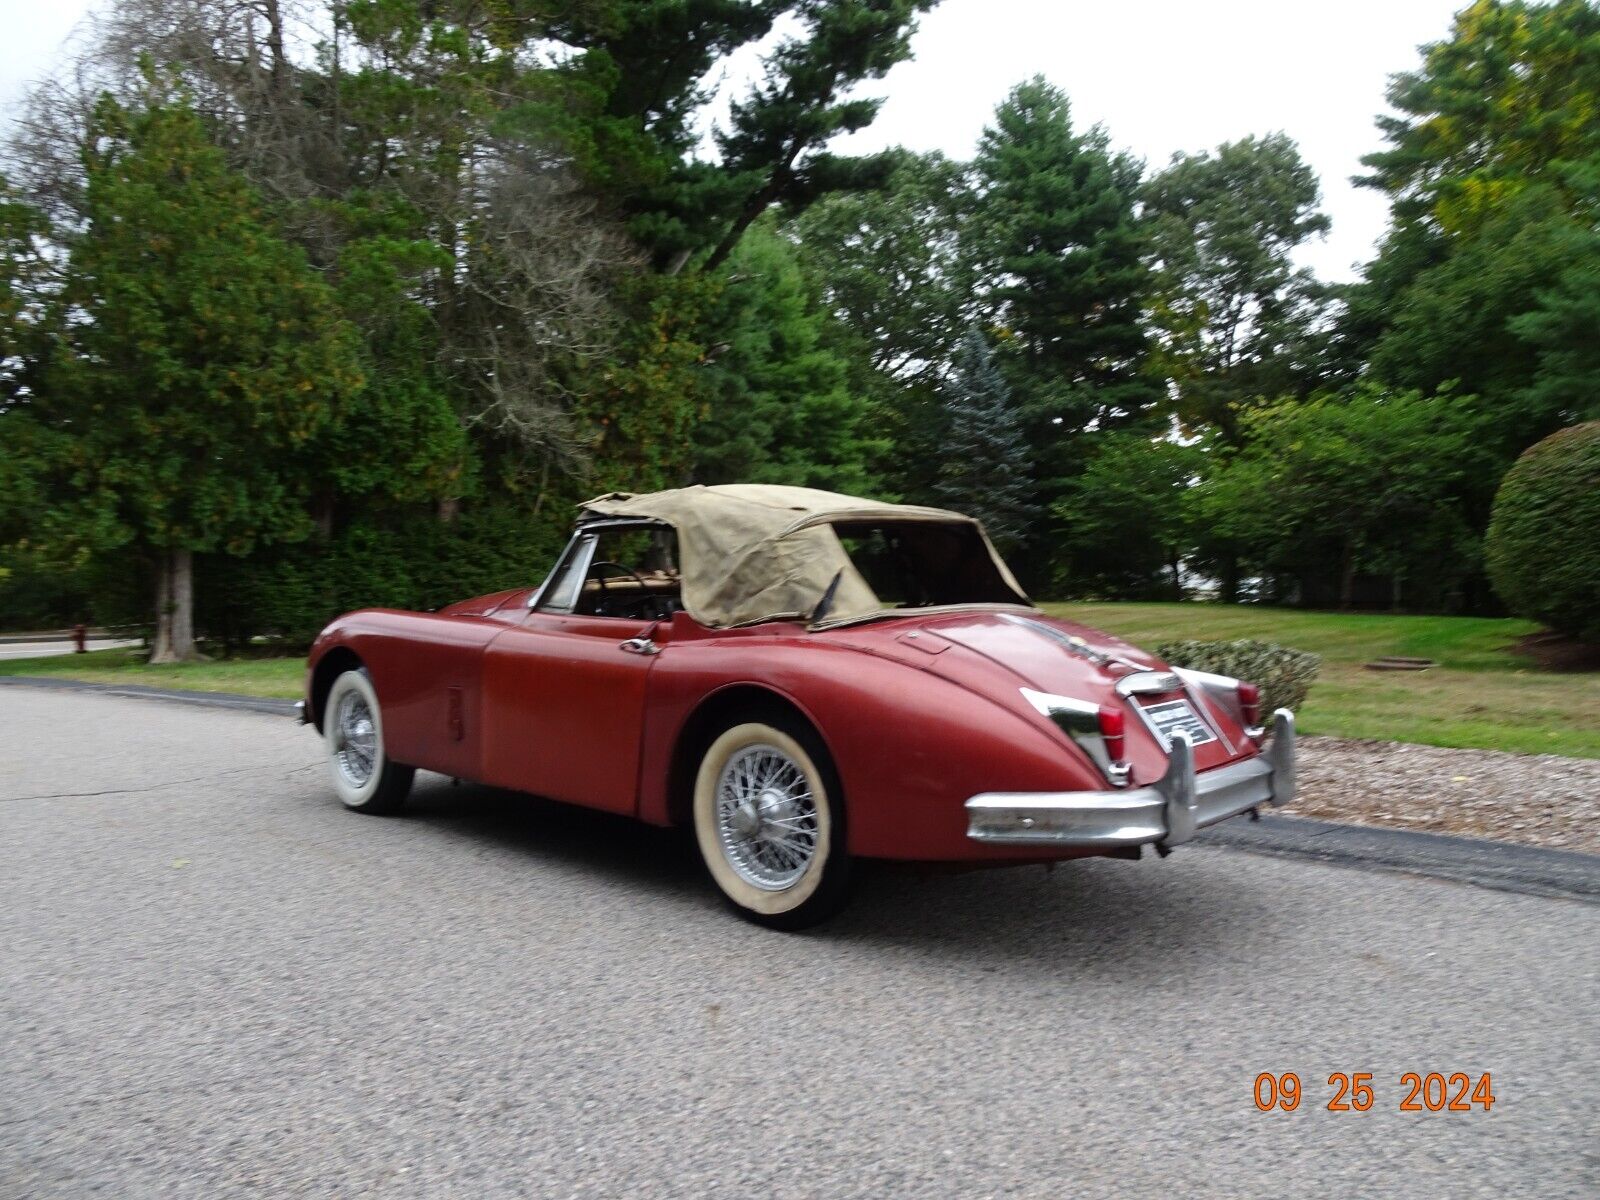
x=364, y=776
x=769, y=820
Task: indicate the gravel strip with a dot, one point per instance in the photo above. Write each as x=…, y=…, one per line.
x=1535, y=799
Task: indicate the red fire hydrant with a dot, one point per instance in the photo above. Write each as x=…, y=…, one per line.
x=80, y=639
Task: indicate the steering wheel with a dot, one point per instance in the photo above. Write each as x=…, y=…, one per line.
x=644, y=588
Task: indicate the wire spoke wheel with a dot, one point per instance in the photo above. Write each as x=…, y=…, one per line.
x=766, y=817
x=364, y=774
x=355, y=739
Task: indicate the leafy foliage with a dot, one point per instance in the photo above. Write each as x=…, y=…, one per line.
x=1541, y=548
x=405, y=560
x=1231, y=308
x=1283, y=674
x=460, y=265
x=1129, y=519
x=1508, y=99
x=1361, y=482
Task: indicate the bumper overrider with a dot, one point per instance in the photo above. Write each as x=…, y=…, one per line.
x=1166, y=812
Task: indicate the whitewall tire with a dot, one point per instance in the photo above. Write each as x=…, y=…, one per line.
x=769, y=821
x=364, y=777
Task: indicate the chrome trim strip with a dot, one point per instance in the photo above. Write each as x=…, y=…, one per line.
x=1080, y=721
x=580, y=546
x=1214, y=689
x=588, y=529
x=1167, y=812
x=1144, y=683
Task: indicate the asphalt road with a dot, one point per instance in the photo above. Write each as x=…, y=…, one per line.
x=215, y=982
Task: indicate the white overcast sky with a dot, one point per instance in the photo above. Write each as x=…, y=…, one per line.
x=1161, y=75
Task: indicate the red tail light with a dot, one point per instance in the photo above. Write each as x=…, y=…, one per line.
x=1112, y=729
x=1250, y=704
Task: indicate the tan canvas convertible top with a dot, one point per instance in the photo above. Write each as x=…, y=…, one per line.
x=760, y=552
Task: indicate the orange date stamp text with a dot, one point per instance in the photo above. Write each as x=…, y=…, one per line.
x=1353, y=1091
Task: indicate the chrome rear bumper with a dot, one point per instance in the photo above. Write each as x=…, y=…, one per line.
x=1167, y=812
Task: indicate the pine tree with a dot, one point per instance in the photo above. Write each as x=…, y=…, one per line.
x=777, y=405
x=1056, y=237
x=985, y=469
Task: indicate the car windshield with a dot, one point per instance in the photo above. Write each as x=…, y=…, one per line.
x=924, y=564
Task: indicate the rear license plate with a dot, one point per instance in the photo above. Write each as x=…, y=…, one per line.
x=1176, y=714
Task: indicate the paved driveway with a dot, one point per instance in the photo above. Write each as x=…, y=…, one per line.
x=215, y=982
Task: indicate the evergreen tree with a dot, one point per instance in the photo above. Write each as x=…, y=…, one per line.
x=984, y=467
x=777, y=408
x=627, y=98
x=1059, y=256
x=207, y=359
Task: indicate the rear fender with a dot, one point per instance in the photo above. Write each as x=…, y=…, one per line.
x=910, y=747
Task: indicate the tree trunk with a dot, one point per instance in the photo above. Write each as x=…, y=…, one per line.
x=280, y=60
x=322, y=514
x=1177, y=575
x=1347, y=577
x=1228, y=586
x=174, y=641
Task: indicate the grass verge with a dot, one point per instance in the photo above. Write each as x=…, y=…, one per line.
x=276, y=678
x=1482, y=695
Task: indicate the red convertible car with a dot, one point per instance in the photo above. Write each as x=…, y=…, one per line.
x=806, y=679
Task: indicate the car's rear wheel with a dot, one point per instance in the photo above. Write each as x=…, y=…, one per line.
x=364, y=776
x=769, y=820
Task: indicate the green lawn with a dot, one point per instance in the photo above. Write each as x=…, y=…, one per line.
x=280, y=678
x=1481, y=694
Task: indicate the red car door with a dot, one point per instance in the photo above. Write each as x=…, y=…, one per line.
x=563, y=707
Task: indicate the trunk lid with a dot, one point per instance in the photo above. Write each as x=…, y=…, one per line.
x=997, y=654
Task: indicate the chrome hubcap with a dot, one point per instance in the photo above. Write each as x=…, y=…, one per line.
x=766, y=817
x=356, y=739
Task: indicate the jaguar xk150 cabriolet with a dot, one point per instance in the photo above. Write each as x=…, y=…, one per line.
x=806, y=679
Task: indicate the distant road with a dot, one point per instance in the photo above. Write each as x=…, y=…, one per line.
x=40, y=649
x=216, y=982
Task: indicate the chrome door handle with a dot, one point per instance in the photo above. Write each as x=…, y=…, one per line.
x=640, y=645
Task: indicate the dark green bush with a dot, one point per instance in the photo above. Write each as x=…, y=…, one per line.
x=1284, y=675
x=1543, y=545
x=415, y=561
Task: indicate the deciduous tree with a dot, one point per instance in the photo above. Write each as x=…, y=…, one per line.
x=1228, y=303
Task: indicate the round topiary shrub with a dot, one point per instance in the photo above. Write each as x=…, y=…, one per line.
x=1543, y=545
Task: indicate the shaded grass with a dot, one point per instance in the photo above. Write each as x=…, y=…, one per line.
x=276, y=678
x=1482, y=695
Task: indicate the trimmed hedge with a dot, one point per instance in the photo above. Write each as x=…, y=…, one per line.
x=414, y=562
x=1283, y=674
x=1543, y=546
